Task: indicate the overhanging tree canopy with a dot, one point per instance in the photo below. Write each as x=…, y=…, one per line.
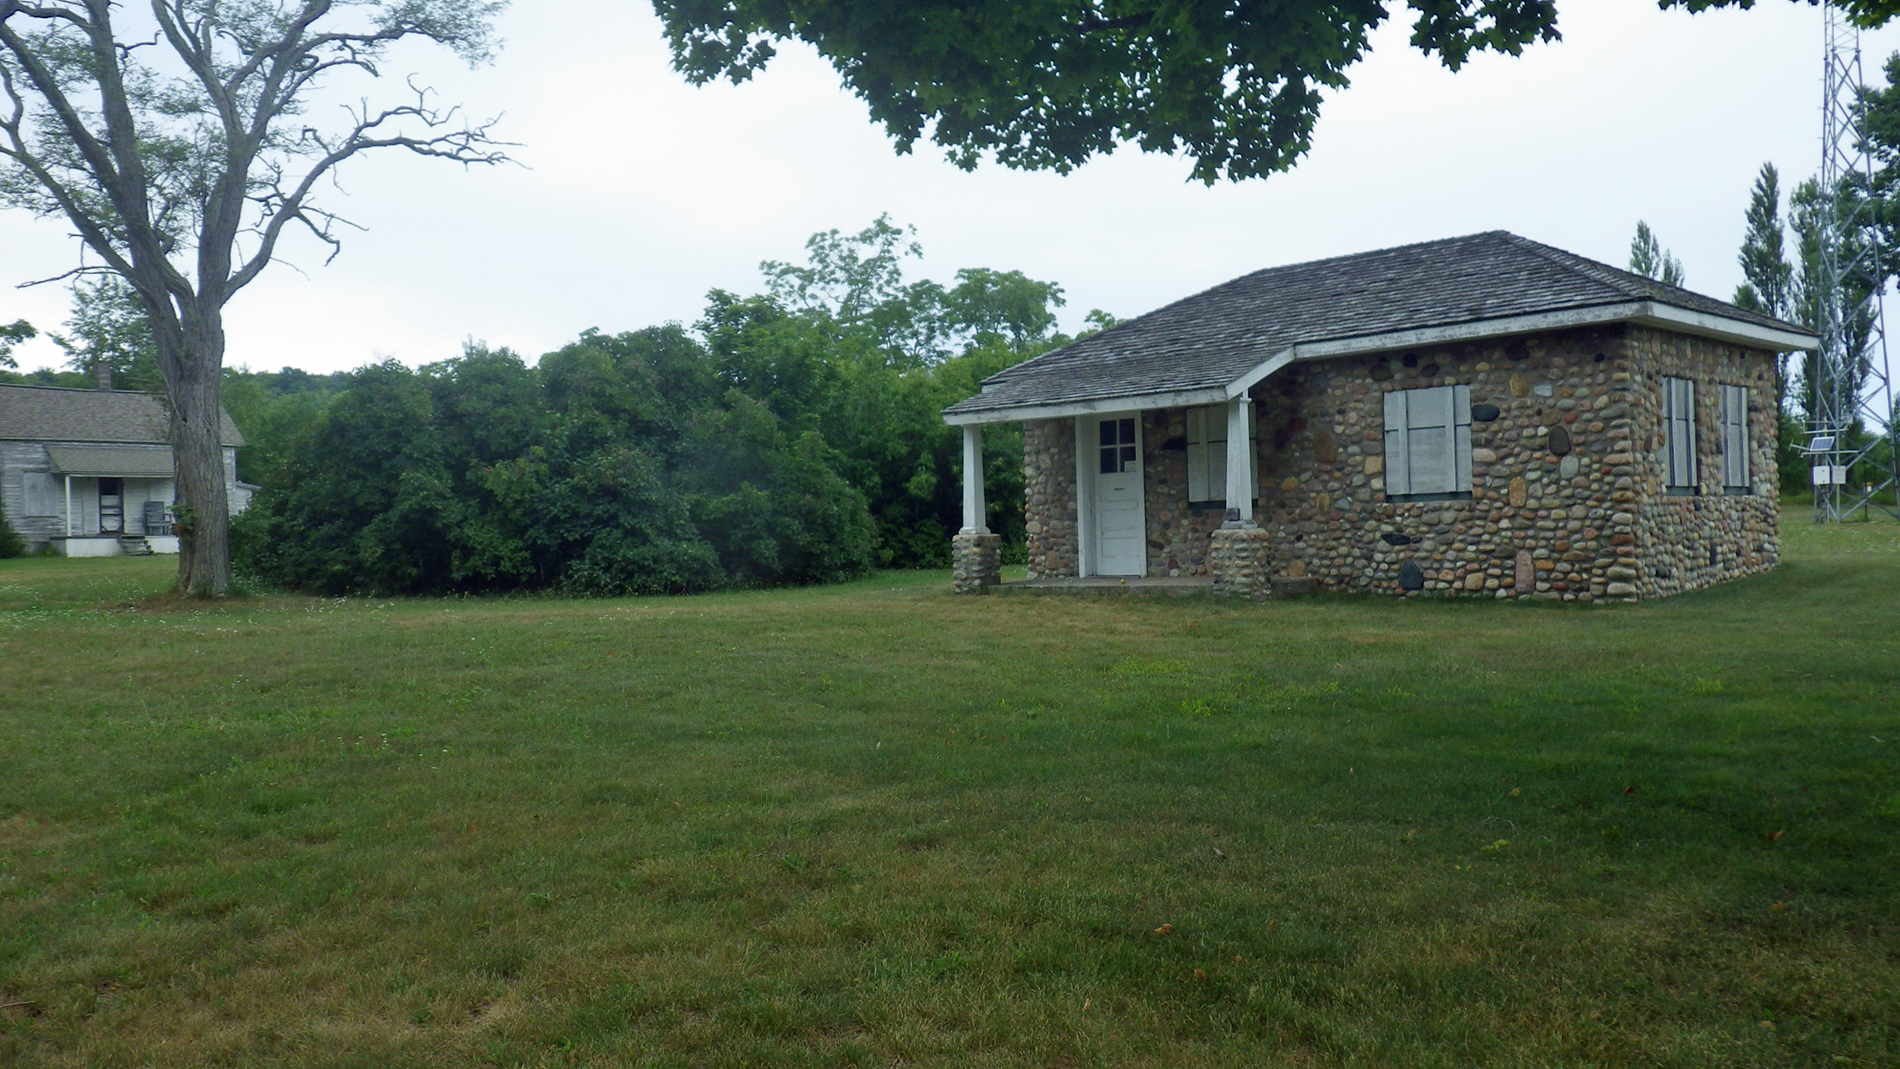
x=1046, y=84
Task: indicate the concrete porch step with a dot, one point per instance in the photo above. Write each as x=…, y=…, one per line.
x=1099, y=586
x=135, y=546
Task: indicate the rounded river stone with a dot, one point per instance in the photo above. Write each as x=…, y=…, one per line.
x=1559, y=441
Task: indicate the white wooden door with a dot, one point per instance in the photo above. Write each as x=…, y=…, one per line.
x=1121, y=543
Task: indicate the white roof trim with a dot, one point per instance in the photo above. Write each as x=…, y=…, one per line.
x=1646, y=313
x=1133, y=403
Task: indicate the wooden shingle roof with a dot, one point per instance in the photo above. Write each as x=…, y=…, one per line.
x=1488, y=284
x=52, y=414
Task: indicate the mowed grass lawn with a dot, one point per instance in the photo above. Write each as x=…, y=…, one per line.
x=879, y=824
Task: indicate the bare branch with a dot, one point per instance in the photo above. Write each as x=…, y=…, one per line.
x=77, y=272
x=467, y=145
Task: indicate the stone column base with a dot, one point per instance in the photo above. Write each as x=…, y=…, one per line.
x=1240, y=562
x=976, y=562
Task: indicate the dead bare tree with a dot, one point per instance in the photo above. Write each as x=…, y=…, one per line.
x=178, y=148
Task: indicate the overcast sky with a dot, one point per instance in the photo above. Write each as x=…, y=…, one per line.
x=639, y=193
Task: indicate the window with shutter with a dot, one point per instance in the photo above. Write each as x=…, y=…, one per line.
x=1207, y=455
x=1679, y=435
x=41, y=493
x=1735, y=444
x=1428, y=443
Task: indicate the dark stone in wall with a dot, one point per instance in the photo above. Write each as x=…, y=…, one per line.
x=1397, y=539
x=1559, y=441
x=1411, y=576
x=1325, y=446
x=1429, y=371
x=1381, y=372
x=1485, y=413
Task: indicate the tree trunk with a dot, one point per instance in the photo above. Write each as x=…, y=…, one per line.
x=204, y=543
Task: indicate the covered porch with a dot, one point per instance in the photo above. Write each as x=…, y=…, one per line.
x=1152, y=494
x=111, y=500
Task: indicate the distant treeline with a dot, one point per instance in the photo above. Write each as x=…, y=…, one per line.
x=791, y=436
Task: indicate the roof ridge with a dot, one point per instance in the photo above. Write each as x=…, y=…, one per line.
x=76, y=389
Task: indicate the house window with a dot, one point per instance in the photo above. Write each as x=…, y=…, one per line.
x=1207, y=455
x=1679, y=435
x=1735, y=439
x=41, y=492
x=1428, y=443
x=1118, y=446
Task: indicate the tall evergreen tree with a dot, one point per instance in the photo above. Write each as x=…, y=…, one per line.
x=1769, y=289
x=1649, y=259
x=1764, y=255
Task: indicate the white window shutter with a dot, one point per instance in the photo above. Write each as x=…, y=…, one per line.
x=1461, y=436
x=1398, y=460
x=1735, y=436
x=1207, y=453
x=1679, y=431
x=1688, y=431
x=1197, y=454
x=40, y=493
x=1432, y=459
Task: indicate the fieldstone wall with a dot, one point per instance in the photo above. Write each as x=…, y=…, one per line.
x=976, y=562
x=1567, y=499
x=1241, y=562
x=1686, y=542
x=1049, y=498
x=1567, y=502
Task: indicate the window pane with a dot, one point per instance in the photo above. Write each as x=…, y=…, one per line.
x=1109, y=467
x=1128, y=456
x=1108, y=432
x=1128, y=431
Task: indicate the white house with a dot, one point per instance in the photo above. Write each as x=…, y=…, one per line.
x=90, y=473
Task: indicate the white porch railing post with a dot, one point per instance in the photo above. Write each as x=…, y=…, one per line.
x=1240, y=490
x=974, y=520
x=69, y=506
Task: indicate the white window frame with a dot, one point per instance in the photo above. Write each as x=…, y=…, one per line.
x=1735, y=444
x=1424, y=425
x=42, y=502
x=1679, y=453
x=1207, y=455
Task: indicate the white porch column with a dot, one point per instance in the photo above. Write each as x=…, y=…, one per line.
x=973, y=504
x=1240, y=488
x=69, y=506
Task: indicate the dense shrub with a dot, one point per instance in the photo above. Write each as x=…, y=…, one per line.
x=617, y=467
x=796, y=438
x=11, y=544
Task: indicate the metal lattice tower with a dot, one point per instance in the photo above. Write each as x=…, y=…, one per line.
x=1850, y=400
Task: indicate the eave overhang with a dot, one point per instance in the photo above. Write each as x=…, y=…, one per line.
x=1639, y=313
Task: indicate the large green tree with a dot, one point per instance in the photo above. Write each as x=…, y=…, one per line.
x=1235, y=85
x=12, y=334
x=176, y=139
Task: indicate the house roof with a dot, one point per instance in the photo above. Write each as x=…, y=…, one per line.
x=52, y=414
x=1217, y=343
x=113, y=461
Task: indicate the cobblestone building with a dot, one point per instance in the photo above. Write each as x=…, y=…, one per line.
x=1483, y=416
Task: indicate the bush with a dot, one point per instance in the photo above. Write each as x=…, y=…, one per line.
x=11, y=544
x=617, y=467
